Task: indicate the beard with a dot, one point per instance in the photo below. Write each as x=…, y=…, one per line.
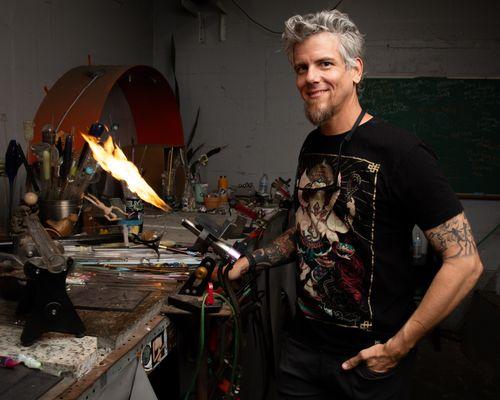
x=318, y=113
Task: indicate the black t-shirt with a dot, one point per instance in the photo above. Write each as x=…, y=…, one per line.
x=355, y=216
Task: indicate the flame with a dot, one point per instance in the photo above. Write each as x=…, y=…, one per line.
x=112, y=159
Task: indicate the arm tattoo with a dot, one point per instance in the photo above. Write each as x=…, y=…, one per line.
x=278, y=252
x=453, y=238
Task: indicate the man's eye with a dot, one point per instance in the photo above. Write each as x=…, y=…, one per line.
x=326, y=64
x=300, y=69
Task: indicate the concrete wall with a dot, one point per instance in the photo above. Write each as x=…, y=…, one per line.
x=246, y=91
x=42, y=39
x=245, y=87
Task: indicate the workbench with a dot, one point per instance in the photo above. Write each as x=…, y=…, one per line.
x=134, y=330
x=87, y=366
x=131, y=329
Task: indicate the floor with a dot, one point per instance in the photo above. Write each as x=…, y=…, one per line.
x=449, y=375
x=446, y=374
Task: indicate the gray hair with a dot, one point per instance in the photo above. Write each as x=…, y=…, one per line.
x=351, y=41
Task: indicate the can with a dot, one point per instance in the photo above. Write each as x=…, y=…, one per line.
x=134, y=207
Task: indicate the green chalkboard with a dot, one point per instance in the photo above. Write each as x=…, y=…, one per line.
x=458, y=118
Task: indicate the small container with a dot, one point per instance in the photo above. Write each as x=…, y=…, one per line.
x=264, y=185
x=223, y=185
x=188, y=198
x=57, y=210
x=134, y=207
x=200, y=191
x=62, y=214
x=417, y=246
x=165, y=189
x=212, y=201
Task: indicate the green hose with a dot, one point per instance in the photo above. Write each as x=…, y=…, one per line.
x=202, y=342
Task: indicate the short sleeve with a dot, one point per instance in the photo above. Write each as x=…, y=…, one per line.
x=419, y=184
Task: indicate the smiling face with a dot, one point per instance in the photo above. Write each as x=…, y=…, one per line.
x=324, y=81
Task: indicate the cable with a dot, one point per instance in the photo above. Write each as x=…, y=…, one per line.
x=202, y=342
x=94, y=77
x=233, y=301
x=237, y=332
x=336, y=5
x=254, y=21
x=201, y=349
x=265, y=27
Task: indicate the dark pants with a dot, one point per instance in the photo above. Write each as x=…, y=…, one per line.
x=313, y=374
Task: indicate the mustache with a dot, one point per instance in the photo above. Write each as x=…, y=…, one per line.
x=312, y=101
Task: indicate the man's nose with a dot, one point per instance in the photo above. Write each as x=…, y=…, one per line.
x=313, y=75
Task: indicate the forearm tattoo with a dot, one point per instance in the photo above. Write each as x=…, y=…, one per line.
x=278, y=252
x=453, y=238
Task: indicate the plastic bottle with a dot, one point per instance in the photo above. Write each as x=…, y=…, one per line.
x=223, y=185
x=188, y=199
x=417, y=246
x=164, y=186
x=264, y=185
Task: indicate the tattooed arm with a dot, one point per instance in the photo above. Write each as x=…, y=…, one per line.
x=278, y=252
x=459, y=273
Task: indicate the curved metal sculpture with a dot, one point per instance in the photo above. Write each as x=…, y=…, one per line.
x=78, y=98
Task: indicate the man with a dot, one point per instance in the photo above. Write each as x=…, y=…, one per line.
x=362, y=185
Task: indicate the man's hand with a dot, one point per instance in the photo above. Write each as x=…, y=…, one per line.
x=379, y=358
x=278, y=252
x=240, y=267
x=457, y=276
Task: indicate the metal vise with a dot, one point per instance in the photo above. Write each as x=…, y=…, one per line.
x=44, y=302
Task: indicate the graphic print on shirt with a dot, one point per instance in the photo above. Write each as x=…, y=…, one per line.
x=335, y=225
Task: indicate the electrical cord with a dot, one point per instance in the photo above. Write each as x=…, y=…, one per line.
x=202, y=342
x=336, y=5
x=255, y=320
x=233, y=300
x=219, y=364
x=237, y=331
x=94, y=77
x=255, y=21
x=265, y=27
x=201, y=347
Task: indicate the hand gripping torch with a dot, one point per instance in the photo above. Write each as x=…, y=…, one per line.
x=198, y=281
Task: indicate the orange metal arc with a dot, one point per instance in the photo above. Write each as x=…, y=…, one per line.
x=151, y=100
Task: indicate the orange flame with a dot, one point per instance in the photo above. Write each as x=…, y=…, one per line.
x=111, y=158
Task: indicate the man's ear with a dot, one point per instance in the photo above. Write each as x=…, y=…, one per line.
x=357, y=71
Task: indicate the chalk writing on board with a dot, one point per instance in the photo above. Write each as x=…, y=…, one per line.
x=458, y=118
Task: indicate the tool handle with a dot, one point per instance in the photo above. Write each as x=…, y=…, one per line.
x=46, y=165
x=29, y=169
x=67, y=157
x=83, y=155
